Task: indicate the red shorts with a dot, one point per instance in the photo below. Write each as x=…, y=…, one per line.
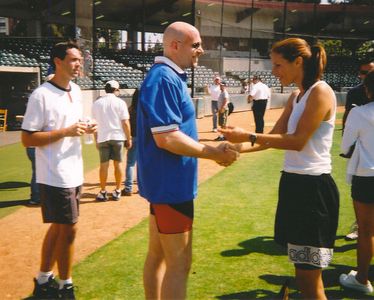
x=173, y=218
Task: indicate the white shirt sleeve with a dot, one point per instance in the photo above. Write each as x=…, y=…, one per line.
x=350, y=131
x=33, y=119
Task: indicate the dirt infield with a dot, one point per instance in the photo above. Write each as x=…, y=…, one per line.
x=22, y=232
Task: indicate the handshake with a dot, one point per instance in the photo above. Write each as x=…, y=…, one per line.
x=227, y=153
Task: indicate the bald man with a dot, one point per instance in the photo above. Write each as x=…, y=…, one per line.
x=167, y=162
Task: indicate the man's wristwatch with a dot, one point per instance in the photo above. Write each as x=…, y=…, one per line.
x=252, y=138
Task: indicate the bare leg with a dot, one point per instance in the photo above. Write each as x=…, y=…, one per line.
x=365, y=244
x=154, y=267
x=118, y=174
x=310, y=284
x=103, y=174
x=65, y=250
x=48, y=248
x=178, y=256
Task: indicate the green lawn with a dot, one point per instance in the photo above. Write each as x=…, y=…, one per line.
x=234, y=253
x=16, y=174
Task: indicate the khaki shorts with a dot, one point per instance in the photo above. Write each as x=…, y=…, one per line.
x=59, y=205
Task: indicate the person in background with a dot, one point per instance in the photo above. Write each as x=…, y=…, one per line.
x=223, y=111
x=214, y=90
x=259, y=95
x=112, y=117
x=34, y=187
x=244, y=87
x=357, y=97
x=30, y=152
x=358, y=131
x=51, y=124
x=308, y=207
x=131, y=152
x=167, y=162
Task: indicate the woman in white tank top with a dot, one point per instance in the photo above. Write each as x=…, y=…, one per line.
x=308, y=205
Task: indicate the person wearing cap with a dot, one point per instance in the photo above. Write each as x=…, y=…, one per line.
x=223, y=111
x=259, y=95
x=214, y=90
x=112, y=117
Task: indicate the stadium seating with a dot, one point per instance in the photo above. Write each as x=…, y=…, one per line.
x=130, y=68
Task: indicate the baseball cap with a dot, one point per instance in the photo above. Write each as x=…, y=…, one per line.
x=223, y=83
x=113, y=84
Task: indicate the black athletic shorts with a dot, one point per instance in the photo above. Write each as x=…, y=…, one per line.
x=362, y=189
x=59, y=205
x=307, y=217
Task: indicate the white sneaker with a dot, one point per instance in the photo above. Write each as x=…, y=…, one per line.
x=353, y=234
x=102, y=196
x=350, y=281
x=116, y=195
x=214, y=130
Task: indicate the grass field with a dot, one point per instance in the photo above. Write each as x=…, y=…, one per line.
x=15, y=181
x=235, y=256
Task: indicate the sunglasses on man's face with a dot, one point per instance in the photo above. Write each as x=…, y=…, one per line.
x=196, y=45
x=363, y=72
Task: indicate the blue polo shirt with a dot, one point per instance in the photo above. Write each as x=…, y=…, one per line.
x=165, y=105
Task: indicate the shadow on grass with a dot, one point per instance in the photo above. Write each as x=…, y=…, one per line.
x=255, y=294
x=12, y=203
x=260, y=244
x=9, y=185
x=283, y=281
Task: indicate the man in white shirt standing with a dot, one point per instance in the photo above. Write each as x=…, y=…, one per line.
x=51, y=124
x=112, y=117
x=259, y=94
x=214, y=90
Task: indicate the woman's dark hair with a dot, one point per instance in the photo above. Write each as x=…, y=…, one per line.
x=369, y=85
x=314, y=57
x=59, y=50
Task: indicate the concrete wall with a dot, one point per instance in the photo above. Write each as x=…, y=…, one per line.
x=203, y=102
x=278, y=100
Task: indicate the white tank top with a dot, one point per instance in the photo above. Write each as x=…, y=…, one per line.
x=315, y=157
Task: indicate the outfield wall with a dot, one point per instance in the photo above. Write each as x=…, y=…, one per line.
x=203, y=102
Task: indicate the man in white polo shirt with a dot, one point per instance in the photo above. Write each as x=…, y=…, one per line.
x=259, y=94
x=51, y=124
x=214, y=90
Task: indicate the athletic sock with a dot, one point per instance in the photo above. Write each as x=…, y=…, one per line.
x=44, y=276
x=66, y=281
